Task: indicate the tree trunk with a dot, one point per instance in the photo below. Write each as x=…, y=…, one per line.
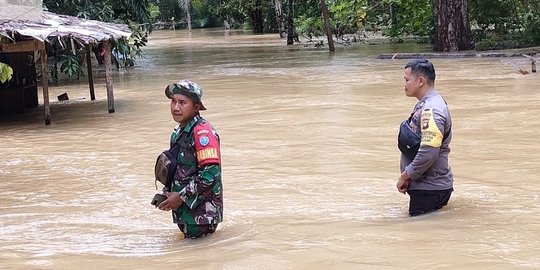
x=188, y=14
x=452, y=27
x=327, y=29
x=278, y=6
x=257, y=18
x=290, y=23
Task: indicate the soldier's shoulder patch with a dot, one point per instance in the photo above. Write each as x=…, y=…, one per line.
x=203, y=131
x=204, y=140
x=207, y=147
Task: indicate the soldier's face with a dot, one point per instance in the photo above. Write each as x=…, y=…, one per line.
x=412, y=83
x=183, y=108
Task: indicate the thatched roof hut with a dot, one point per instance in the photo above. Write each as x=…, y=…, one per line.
x=25, y=35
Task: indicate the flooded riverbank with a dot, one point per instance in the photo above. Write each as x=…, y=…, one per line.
x=309, y=164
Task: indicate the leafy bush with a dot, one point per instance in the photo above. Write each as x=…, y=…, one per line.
x=531, y=26
x=154, y=12
x=6, y=72
x=399, y=18
x=71, y=65
x=310, y=27
x=505, y=24
x=126, y=51
x=486, y=44
x=347, y=16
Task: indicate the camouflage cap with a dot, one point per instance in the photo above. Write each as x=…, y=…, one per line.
x=186, y=88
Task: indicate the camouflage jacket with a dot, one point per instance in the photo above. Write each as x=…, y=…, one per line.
x=198, y=175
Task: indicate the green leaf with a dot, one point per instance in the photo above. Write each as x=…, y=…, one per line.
x=6, y=72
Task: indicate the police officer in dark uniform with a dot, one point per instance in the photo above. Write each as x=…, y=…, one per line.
x=424, y=141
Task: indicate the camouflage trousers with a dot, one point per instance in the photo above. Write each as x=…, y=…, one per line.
x=196, y=231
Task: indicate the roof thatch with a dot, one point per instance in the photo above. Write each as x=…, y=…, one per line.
x=52, y=25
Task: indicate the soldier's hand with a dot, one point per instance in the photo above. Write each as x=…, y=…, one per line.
x=173, y=201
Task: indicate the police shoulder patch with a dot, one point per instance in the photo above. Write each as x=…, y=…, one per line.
x=431, y=135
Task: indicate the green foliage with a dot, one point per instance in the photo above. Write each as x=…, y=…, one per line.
x=100, y=11
x=71, y=65
x=347, y=16
x=131, y=10
x=310, y=27
x=154, y=12
x=495, y=23
x=202, y=16
x=203, y=12
x=399, y=18
x=486, y=44
x=500, y=24
x=241, y=12
x=168, y=10
x=135, y=13
x=531, y=26
x=497, y=16
x=126, y=51
x=6, y=72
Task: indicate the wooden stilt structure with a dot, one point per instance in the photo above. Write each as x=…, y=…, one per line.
x=32, y=36
x=108, y=75
x=45, y=85
x=89, y=71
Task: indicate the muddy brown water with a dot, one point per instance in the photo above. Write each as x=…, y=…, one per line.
x=309, y=164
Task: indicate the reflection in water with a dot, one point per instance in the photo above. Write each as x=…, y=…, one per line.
x=310, y=163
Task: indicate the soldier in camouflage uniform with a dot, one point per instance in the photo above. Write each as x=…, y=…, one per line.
x=195, y=196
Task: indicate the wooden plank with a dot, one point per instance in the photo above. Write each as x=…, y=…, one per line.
x=22, y=46
x=45, y=84
x=108, y=76
x=89, y=71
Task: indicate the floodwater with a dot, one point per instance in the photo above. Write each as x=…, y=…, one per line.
x=309, y=164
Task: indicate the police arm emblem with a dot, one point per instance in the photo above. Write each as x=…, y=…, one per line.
x=431, y=135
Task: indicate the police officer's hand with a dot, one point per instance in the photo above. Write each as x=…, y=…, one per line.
x=173, y=201
x=403, y=183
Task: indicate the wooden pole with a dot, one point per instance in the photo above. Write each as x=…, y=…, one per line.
x=108, y=76
x=89, y=71
x=324, y=9
x=533, y=61
x=45, y=85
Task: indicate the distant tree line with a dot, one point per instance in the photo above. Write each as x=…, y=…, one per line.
x=448, y=24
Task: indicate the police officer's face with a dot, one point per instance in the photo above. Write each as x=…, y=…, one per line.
x=412, y=83
x=183, y=108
